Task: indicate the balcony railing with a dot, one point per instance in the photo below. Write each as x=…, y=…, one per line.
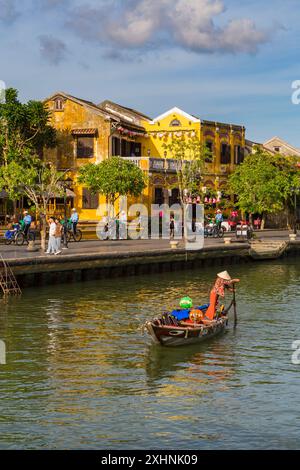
x=154, y=164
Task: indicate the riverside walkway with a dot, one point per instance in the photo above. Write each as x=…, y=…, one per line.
x=91, y=247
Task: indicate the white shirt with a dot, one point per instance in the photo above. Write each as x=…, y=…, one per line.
x=52, y=229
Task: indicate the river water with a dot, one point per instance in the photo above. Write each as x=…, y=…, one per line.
x=80, y=374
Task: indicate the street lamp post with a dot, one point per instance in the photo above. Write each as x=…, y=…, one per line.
x=296, y=192
x=65, y=219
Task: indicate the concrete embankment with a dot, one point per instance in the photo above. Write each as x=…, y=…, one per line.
x=45, y=270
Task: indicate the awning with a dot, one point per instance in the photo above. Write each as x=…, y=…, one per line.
x=88, y=131
x=70, y=193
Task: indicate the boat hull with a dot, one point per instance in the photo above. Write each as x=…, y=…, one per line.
x=182, y=336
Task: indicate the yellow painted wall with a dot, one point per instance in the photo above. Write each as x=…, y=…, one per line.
x=159, y=133
x=77, y=116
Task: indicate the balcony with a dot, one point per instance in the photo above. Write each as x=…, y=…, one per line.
x=153, y=164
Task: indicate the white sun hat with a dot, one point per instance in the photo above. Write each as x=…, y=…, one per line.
x=224, y=275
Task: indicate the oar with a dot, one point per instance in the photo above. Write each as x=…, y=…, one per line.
x=234, y=307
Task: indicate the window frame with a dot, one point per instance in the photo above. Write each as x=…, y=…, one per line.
x=90, y=201
x=84, y=136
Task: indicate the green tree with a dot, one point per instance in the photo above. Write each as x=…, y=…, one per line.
x=24, y=128
x=190, y=156
x=38, y=183
x=113, y=178
x=24, y=132
x=265, y=183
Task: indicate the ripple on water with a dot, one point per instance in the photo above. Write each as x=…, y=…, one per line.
x=81, y=375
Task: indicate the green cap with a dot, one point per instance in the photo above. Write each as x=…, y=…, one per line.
x=186, y=302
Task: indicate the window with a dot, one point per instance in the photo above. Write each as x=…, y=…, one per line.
x=175, y=123
x=238, y=154
x=175, y=197
x=89, y=199
x=277, y=149
x=59, y=104
x=210, y=147
x=85, y=147
x=116, y=147
x=225, y=154
x=159, y=196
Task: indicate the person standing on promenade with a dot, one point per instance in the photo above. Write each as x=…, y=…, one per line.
x=52, y=240
x=58, y=234
x=74, y=220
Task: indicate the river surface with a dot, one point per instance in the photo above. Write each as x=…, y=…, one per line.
x=80, y=374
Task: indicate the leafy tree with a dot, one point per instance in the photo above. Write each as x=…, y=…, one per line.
x=24, y=132
x=24, y=128
x=190, y=156
x=38, y=183
x=113, y=178
x=265, y=183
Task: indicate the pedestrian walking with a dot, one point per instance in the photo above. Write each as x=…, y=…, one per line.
x=172, y=227
x=58, y=235
x=52, y=240
x=123, y=225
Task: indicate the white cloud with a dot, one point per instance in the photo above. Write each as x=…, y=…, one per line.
x=189, y=24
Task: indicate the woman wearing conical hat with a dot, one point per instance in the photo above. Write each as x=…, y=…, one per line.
x=223, y=282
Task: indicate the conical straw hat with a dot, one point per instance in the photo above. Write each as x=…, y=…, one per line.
x=225, y=275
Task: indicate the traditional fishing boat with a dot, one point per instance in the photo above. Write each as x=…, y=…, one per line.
x=191, y=325
x=168, y=331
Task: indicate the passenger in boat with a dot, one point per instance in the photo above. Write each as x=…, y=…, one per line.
x=222, y=282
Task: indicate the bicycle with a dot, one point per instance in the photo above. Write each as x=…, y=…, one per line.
x=214, y=231
x=70, y=235
x=18, y=237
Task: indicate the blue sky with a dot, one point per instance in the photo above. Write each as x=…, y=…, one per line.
x=222, y=60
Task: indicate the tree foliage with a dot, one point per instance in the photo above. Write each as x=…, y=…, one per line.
x=113, y=177
x=264, y=183
x=190, y=156
x=24, y=129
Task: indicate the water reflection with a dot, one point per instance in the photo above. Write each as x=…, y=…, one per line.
x=81, y=375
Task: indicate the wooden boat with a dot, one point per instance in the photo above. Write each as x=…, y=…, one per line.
x=184, y=333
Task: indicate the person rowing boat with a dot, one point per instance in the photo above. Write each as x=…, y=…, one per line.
x=222, y=282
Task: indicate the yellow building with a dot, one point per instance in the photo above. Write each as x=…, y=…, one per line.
x=90, y=133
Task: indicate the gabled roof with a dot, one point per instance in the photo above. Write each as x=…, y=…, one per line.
x=176, y=111
x=123, y=112
x=78, y=101
x=281, y=142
